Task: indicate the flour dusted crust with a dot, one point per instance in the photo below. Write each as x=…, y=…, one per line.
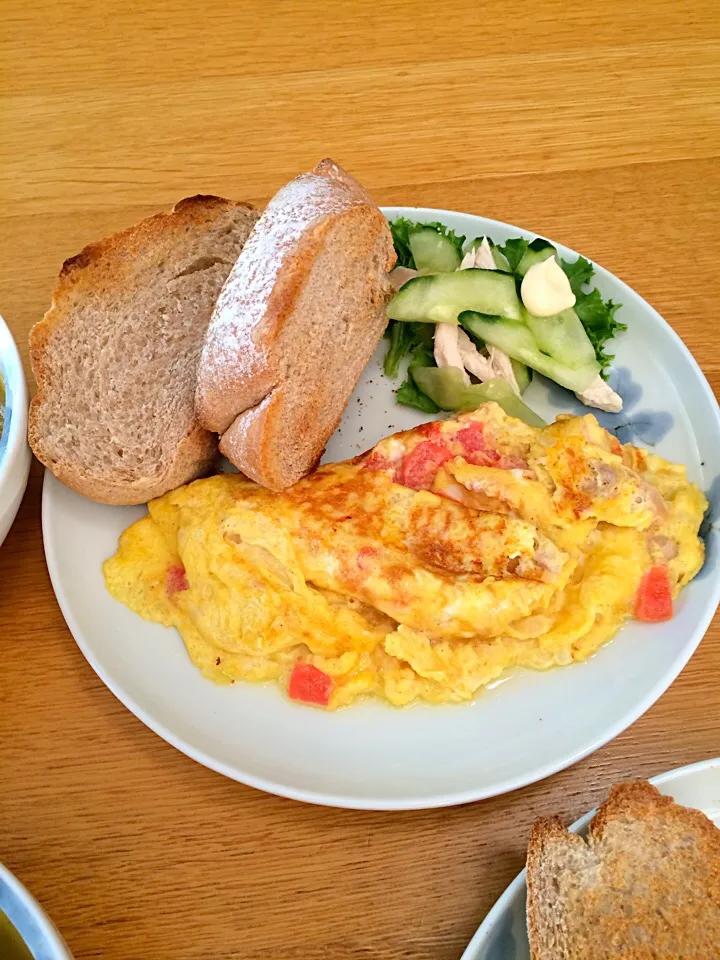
x=259, y=331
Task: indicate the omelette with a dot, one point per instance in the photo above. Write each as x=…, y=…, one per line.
x=422, y=569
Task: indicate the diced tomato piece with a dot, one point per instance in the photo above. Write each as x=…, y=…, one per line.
x=176, y=581
x=483, y=458
x=309, y=684
x=471, y=437
x=365, y=555
x=510, y=462
x=419, y=467
x=475, y=450
x=378, y=461
x=615, y=445
x=654, y=597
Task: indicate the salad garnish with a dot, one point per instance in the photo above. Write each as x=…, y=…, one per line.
x=459, y=310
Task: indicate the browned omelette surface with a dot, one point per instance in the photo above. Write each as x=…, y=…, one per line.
x=421, y=570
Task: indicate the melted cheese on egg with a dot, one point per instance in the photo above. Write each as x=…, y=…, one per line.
x=415, y=594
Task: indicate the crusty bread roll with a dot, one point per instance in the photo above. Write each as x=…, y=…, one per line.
x=115, y=357
x=296, y=323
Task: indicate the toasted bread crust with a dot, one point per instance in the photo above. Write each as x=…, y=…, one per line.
x=239, y=364
x=543, y=834
x=640, y=801
x=242, y=374
x=626, y=908
x=250, y=443
x=109, y=267
x=108, y=262
x=195, y=458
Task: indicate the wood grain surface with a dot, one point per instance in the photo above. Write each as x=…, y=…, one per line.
x=596, y=124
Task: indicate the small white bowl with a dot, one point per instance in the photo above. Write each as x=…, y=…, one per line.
x=36, y=929
x=14, y=451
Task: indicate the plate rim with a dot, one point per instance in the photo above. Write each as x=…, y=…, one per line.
x=496, y=912
x=438, y=800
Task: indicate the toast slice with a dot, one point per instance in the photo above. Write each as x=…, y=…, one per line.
x=115, y=357
x=295, y=325
x=645, y=884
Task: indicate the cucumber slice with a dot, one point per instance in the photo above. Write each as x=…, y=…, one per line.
x=440, y=297
x=537, y=251
x=444, y=385
x=523, y=374
x=518, y=342
x=432, y=252
x=503, y=394
x=500, y=261
x=563, y=337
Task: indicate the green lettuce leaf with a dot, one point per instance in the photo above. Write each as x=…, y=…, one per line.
x=401, y=229
x=404, y=338
x=578, y=273
x=596, y=315
x=514, y=251
x=401, y=339
x=409, y=393
x=598, y=318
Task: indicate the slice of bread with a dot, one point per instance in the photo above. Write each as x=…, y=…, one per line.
x=295, y=325
x=645, y=885
x=115, y=357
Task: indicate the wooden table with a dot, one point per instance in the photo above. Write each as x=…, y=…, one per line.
x=596, y=124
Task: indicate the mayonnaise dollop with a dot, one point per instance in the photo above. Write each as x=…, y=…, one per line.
x=545, y=290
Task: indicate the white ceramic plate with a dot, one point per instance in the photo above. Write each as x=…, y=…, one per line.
x=503, y=933
x=525, y=728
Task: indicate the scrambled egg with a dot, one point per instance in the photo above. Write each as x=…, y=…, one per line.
x=421, y=570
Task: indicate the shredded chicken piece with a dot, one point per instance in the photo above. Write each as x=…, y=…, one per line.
x=604, y=481
x=480, y=256
x=446, y=348
x=666, y=547
x=502, y=368
x=547, y=556
x=400, y=276
x=472, y=359
x=497, y=365
x=602, y=396
x=453, y=347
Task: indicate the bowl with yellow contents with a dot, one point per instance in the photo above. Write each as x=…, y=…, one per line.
x=14, y=450
x=26, y=932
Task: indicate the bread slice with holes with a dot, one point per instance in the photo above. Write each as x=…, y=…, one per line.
x=645, y=884
x=296, y=323
x=115, y=357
